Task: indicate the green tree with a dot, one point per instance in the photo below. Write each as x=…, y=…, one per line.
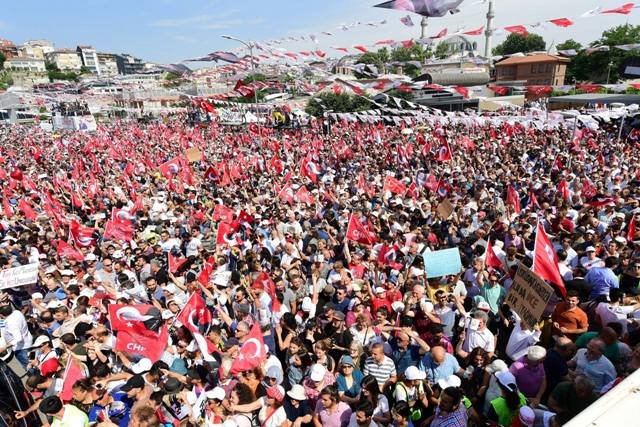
x=257, y=77
x=407, y=96
x=337, y=103
x=414, y=53
x=377, y=59
x=2, y=59
x=597, y=66
x=442, y=51
x=51, y=66
x=6, y=80
x=515, y=43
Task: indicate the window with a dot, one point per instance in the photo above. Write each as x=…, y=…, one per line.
x=540, y=68
x=548, y=68
x=533, y=68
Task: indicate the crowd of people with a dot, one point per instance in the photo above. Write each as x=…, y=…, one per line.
x=206, y=275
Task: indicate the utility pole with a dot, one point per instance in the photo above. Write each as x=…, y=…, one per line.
x=488, y=32
x=423, y=25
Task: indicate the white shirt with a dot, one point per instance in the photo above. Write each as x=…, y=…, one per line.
x=473, y=339
x=16, y=332
x=520, y=341
x=614, y=313
x=193, y=247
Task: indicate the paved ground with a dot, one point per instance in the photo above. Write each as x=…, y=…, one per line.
x=18, y=369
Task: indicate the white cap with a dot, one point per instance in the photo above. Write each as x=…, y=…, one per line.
x=143, y=365
x=167, y=314
x=397, y=306
x=90, y=257
x=451, y=381
x=590, y=249
x=217, y=393
x=536, y=353
x=41, y=340
x=37, y=295
x=380, y=289
x=413, y=373
x=483, y=305
x=54, y=304
x=117, y=254
x=317, y=372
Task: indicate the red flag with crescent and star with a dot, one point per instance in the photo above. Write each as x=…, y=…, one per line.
x=358, y=233
x=252, y=353
x=134, y=334
x=545, y=261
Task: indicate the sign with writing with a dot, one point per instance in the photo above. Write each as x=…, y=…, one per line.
x=445, y=209
x=194, y=155
x=19, y=276
x=442, y=263
x=528, y=296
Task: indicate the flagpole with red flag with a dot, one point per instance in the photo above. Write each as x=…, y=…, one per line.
x=545, y=261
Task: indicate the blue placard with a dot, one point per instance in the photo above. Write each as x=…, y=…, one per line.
x=442, y=263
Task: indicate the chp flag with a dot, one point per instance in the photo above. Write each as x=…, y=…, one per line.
x=140, y=330
x=358, y=233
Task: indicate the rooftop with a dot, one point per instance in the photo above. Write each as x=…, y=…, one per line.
x=529, y=59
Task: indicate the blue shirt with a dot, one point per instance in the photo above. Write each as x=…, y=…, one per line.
x=601, y=279
x=437, y=372
x=355, y=387
x=404, y=359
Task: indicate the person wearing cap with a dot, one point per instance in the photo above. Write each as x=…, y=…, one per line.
x=568, y=318
x=348, y=380
x=339, y=336
x=530, y=375
x=319, y=377
x=504, y=409
x=297, y=407
x=214, y=412
x=63, y=415
x=44, y=352
x=590, y=259
x=411, y=389
x=271, y=412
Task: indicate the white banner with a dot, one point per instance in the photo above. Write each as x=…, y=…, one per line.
x=19, y=276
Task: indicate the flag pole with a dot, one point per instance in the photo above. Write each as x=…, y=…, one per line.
x=535, y=244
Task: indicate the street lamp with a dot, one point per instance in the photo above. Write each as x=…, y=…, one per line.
x=249, y=45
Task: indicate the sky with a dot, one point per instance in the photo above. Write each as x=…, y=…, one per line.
x=169, y=31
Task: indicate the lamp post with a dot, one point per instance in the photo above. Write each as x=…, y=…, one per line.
x=249, y=45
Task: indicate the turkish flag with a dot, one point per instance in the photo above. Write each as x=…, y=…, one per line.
x=81, y=235
x=170, y=167
x=491, y=259
x=625, y=9
x=545, y=261
x=309, y=169
x=226, y=234
x=118, y=230
x=264, y=280
x=562, y=22
x=195, y=313
x=75, y=371
x=533, y=200
x=589, y=191
x=67, y=251
x=27, y=210
x=500, y=90
x=303, y=195
x=518, y=29
x=461, y=90
x=563, y=189
x=252, y=352
x=138, y=331
x=207, y=269
x=175, y=263
x=631, y=230
x=476, y=32
x=206, y=106
x=223, y=213
x=286, y=194
x=413, y=191
x=394, y=186
x=358, y=233
x=444, y=153
x=276, y=165
x=513, y=199
x=6, y=208
x=361, y=48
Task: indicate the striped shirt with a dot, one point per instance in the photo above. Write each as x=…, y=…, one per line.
x=381, y=371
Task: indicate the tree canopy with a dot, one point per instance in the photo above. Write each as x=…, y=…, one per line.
x=515, y=43
x=596, y=66
x=337, y=103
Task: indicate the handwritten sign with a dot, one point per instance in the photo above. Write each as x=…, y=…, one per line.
x=528, y=296
x=19, y=276
x=442, y=263
x=445, y=209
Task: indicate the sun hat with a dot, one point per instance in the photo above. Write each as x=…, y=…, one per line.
x=317, y=372
x=451, y=381
x=413, y=373
x=297, y=392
